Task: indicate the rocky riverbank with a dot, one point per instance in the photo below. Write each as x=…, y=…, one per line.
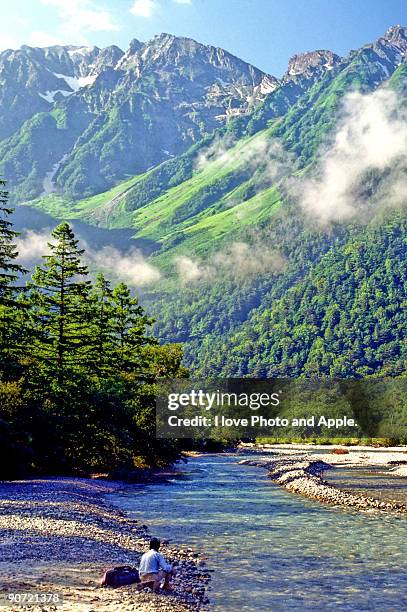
x=302, y=473
x=60, y=535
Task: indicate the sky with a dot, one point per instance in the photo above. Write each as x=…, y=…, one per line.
x=265, y=33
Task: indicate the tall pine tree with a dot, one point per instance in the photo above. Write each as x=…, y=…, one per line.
x=59, y=294
x=129, y=326
x=11, y=305
x=101, y=306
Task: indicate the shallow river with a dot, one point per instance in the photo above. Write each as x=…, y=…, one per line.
x=273, y=550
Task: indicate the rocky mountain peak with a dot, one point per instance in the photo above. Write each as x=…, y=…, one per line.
x=168, y=50
x=107, y=58
x=396, y=35
x=310, y=63
x=166, y=37
x=134, y=46
x=166, y=41
x=205, y=67
x=391, y=48
x=127, y=58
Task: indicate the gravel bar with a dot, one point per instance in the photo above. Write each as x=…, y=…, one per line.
x=59, y=536
x=303, y=475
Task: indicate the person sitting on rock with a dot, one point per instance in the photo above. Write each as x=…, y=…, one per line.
x=154, y=569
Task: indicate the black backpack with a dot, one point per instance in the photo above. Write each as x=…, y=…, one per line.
x=120, y=576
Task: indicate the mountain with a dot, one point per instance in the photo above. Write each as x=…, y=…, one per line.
x=33, y=78
x=94, y=116
x=169, y=200
x=279, y=234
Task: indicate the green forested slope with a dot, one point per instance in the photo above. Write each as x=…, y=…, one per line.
x=345, y=317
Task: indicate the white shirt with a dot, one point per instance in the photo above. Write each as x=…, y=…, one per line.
x=151, y=562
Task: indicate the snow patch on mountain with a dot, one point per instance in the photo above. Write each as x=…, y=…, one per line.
x=49, y=96
x=76, y=83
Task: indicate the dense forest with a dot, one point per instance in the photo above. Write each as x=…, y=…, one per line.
x=336, y=308
x=78, y=365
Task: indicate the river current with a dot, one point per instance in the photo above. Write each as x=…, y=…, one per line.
x=273, y=550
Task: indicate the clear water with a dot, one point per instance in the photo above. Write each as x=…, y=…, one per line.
x=377, y=482
x=273, y=550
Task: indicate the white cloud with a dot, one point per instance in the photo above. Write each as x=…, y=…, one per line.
x=189, y=269
x=261, y=153
x=372, y=136
x=79, y=17
x=237, y=260
x=130, y=267
x=360, y=169
x=20, y=21
x=8, y=42
x=39, y=38
x=148, y=8
x=219, y=150
x=144, y=8
x=32, y=245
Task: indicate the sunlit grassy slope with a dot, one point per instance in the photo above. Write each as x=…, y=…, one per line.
x=62, y=207
x=222, y=196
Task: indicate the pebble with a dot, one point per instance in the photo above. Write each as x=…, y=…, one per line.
x=55, y=527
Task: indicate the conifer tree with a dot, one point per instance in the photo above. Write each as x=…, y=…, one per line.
x=101, y=311
x=129, y=325
x=9, y=269
x=60, y=292
x=11, y=304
